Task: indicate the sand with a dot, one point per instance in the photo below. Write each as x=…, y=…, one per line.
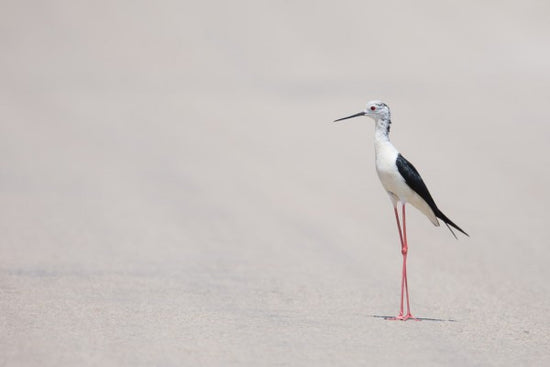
x=174, y=193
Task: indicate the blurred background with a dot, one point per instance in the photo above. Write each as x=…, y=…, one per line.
x=174, y=191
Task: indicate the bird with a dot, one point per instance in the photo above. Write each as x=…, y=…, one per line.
x=403, y=184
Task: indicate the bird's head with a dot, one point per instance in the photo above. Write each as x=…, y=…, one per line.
x=376, y=110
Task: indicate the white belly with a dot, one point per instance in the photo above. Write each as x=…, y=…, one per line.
x=392, y=181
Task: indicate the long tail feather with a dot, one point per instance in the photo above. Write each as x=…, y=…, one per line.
x=453, y=232
x=449, y=223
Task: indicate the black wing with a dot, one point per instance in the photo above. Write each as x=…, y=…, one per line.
x=415, y=182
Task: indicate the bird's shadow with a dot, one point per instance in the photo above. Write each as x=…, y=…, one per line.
x=418, y=318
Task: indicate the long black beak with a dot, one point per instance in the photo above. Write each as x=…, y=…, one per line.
x=352, y=116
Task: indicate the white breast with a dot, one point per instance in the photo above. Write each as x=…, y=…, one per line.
x=385, y=157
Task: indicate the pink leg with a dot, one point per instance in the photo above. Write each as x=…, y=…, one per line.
x=404, y=284
x=404, y=251
x=402, y=277
x=400, y=316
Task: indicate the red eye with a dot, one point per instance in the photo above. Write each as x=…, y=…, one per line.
x=372, y=108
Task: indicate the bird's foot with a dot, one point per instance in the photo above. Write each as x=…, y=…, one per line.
x=402, y=317
x=398, y=317
x=409, y=316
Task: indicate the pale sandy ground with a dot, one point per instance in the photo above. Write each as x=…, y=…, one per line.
x=173, y=193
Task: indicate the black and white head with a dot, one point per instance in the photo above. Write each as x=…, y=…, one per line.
x=377, y=110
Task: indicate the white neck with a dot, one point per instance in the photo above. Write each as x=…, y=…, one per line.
x=382, y=129
x=384, y=150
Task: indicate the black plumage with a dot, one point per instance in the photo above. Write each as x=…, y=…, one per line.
x=415, y=182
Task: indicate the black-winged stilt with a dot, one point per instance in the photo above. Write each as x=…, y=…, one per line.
x=403, y=184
